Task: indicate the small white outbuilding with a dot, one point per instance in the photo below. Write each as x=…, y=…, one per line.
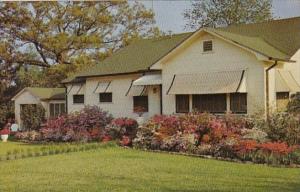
x=52, y=99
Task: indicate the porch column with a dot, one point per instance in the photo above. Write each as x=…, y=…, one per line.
x=228, y=102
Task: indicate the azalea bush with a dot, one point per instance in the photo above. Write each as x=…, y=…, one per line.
x=28, y=136
x=123, y=129
x=205, y=134
x=86, y=125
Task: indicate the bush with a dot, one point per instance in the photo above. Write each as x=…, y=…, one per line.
x=168, y=132
x=282, y=126
x=294, y=104
x=123, y=129
x=28, y=135
x=6, y=112
x=85, y=125
x=32, y=116
x=205, y=134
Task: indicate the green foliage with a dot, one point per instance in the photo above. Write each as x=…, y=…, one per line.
x=282, y=126
x=32, y=116
x=6, y=111
x=207, y=13
x=294, y=104
x=47, y=33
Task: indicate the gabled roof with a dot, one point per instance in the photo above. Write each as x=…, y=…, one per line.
x=277, y=39
x=282, y=34
x=44, y=93
x=136, y=57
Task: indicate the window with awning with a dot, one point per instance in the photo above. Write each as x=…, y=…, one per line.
x=103, y=87
x=285, y=82
x=182, y=104
x=208, y=83
x=238, y=102
x=150, y=79
x=76, y=89
x=78, y=99
x=136, y=90
x=211, y=103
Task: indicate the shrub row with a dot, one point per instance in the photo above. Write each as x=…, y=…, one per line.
x=51, y=150
x=229, y=136
x=205, y=134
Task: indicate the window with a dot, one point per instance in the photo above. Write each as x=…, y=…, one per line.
x=140, y=103
x=78, y=99
x=212, y=103
x=282, y=99
x=207, y=46
x=182, y=104
x=105, y=97
x=238, y=102
x=57, y=109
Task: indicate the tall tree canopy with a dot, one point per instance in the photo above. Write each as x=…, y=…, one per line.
x=46, y=34
x=215, y=13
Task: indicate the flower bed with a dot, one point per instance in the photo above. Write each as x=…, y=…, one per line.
x=122, y=129
x=85, y=125
x=206, y=134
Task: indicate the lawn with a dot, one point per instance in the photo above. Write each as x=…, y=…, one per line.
x=118, y=169
x=9, y=146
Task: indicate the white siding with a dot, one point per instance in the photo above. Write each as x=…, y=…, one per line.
x=293, y=67
x=122, y=105
x=225, y=56
x=25, y=98
x=74, y=107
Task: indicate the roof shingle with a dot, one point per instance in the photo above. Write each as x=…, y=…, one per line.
x=278, y=39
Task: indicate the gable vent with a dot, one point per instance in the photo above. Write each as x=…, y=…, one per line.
x=207, y=46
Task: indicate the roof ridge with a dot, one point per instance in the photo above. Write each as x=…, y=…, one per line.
x=262, y=22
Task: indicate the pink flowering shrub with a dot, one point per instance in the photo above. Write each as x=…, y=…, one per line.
x=85, y=125
x=206, y=134
x=123, y=129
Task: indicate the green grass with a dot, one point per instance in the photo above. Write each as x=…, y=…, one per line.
x=118, y=169
x=10, y=146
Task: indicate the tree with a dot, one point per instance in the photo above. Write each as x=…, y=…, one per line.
x=63, y=37
x=216, y=13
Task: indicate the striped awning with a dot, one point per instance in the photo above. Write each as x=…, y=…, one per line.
x=285, y=82
x=76, y=89
x=136, y=90
x=209, y=83
x=102, y=87
x=151, y=79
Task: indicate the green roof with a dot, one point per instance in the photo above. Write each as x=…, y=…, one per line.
x=47, y=93
x=138, y=56
x=277, y=39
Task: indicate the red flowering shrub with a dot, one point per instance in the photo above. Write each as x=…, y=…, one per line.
x=121, y=128
x=4, y=131
x=85, y=125
x=277, y=148
x=206, y=134
x=205, y=127
x=106, y=138
x=246, y=146
x=126, y=141
x=206, y=138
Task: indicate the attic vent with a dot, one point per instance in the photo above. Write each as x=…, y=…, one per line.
x=207, y=46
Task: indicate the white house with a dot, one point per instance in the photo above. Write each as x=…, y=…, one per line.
x=240, y=69
x=52, y=99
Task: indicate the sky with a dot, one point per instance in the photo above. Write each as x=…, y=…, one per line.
x=169, y=13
